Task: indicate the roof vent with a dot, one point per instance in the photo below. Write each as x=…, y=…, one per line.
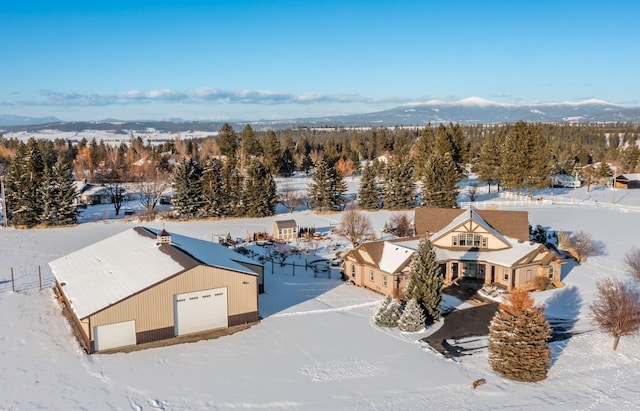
x=164, y=237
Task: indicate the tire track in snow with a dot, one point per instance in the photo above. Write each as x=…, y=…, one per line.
x=327, y=310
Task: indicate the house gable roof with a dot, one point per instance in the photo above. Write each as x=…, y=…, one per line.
x=509, y=223
x=465, y=218
x=117, y=267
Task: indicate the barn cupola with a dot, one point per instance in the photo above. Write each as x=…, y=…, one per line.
x=164, y=237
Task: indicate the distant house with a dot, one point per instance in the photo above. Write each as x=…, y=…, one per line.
x=145, y=285
x=96, y=195
x=628, y=180
x=566, y=180
x=285, y=230
x=474, y=246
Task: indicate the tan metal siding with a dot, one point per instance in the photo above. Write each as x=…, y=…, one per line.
x=152, y=309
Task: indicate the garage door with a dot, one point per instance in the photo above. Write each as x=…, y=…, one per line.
x=114, y=335
x=200, y=310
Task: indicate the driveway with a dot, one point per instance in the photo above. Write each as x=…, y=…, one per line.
x=470, y=322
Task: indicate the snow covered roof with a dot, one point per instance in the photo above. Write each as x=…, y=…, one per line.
x=629, y=176
x=505, y=257
x=286, y=224
x=110, y=270
x=394, y=256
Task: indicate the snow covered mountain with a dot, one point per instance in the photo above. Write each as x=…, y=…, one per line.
x=479, y=111
x=473, y=110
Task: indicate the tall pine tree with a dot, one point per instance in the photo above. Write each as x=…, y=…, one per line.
x=187, y=197
x=518, y=339
x=214, y=199
x=58, y=196
x=260, y=196
x=319, y=192
x=368, y=193
x=25, y=179
x=440, y=182
x=425, y=281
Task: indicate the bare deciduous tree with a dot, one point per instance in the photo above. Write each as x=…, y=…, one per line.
x=291, y=198
x=632, y=261
x=472, y=191
x=355, y=225
x=400, y=225
x=584, y=245
x=616, y=309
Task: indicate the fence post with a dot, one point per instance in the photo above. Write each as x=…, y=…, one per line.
x=13, y=284
x=294, y=269
x=40, y=277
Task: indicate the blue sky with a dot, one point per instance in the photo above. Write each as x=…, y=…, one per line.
x=138, y=59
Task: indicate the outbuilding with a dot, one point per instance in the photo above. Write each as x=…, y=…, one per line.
x=285, y=230
x=144, y=285
x=628, y=180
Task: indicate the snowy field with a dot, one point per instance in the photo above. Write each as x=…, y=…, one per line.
x=316, y=348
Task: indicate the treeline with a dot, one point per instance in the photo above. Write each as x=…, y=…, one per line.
x=232, y=173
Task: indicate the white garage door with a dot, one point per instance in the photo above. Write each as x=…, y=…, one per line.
x=200, y=310
x=114, y=335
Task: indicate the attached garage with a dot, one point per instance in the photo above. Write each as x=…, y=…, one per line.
x=145, y=285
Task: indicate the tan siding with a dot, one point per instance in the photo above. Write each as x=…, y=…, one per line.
x=152, y=309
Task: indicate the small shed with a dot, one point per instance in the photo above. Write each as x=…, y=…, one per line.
x=145, y=285
x=285, y=230
x=628, y=180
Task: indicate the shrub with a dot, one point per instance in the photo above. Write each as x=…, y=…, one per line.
x=632, y=261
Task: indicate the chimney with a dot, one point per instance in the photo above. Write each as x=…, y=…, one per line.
x=164, y=237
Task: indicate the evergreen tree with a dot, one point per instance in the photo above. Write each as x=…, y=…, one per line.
x=388, y=313
x=215, y=202
x=286, y=164
x=488, y=168
x=58, y=196
x=338, y=188
x=187, y=198
x=518, y=339
x=249, y=143
x=368, y=193
x=382, y=307
x=425, y=281
x=227, y=141
x=25, y=178
x=320, y=194
x=272, y=151
x=233, y=183
x=440, y=182
x=260, y=196
x=423, y=150
x=399, y=186
x=525, y=158
x=412, y=318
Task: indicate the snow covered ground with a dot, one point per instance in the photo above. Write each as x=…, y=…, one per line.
x=316, y=348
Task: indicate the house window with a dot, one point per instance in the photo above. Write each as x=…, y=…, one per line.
x=506, y=273
x=353, y=270
x=469, y=240
x=454, y=241
x=371, y=275
x=485, y=242
x=384, y=280
x=550, y=271
x=476, y=240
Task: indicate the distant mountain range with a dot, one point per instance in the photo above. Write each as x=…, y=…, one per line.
x=467, y=112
